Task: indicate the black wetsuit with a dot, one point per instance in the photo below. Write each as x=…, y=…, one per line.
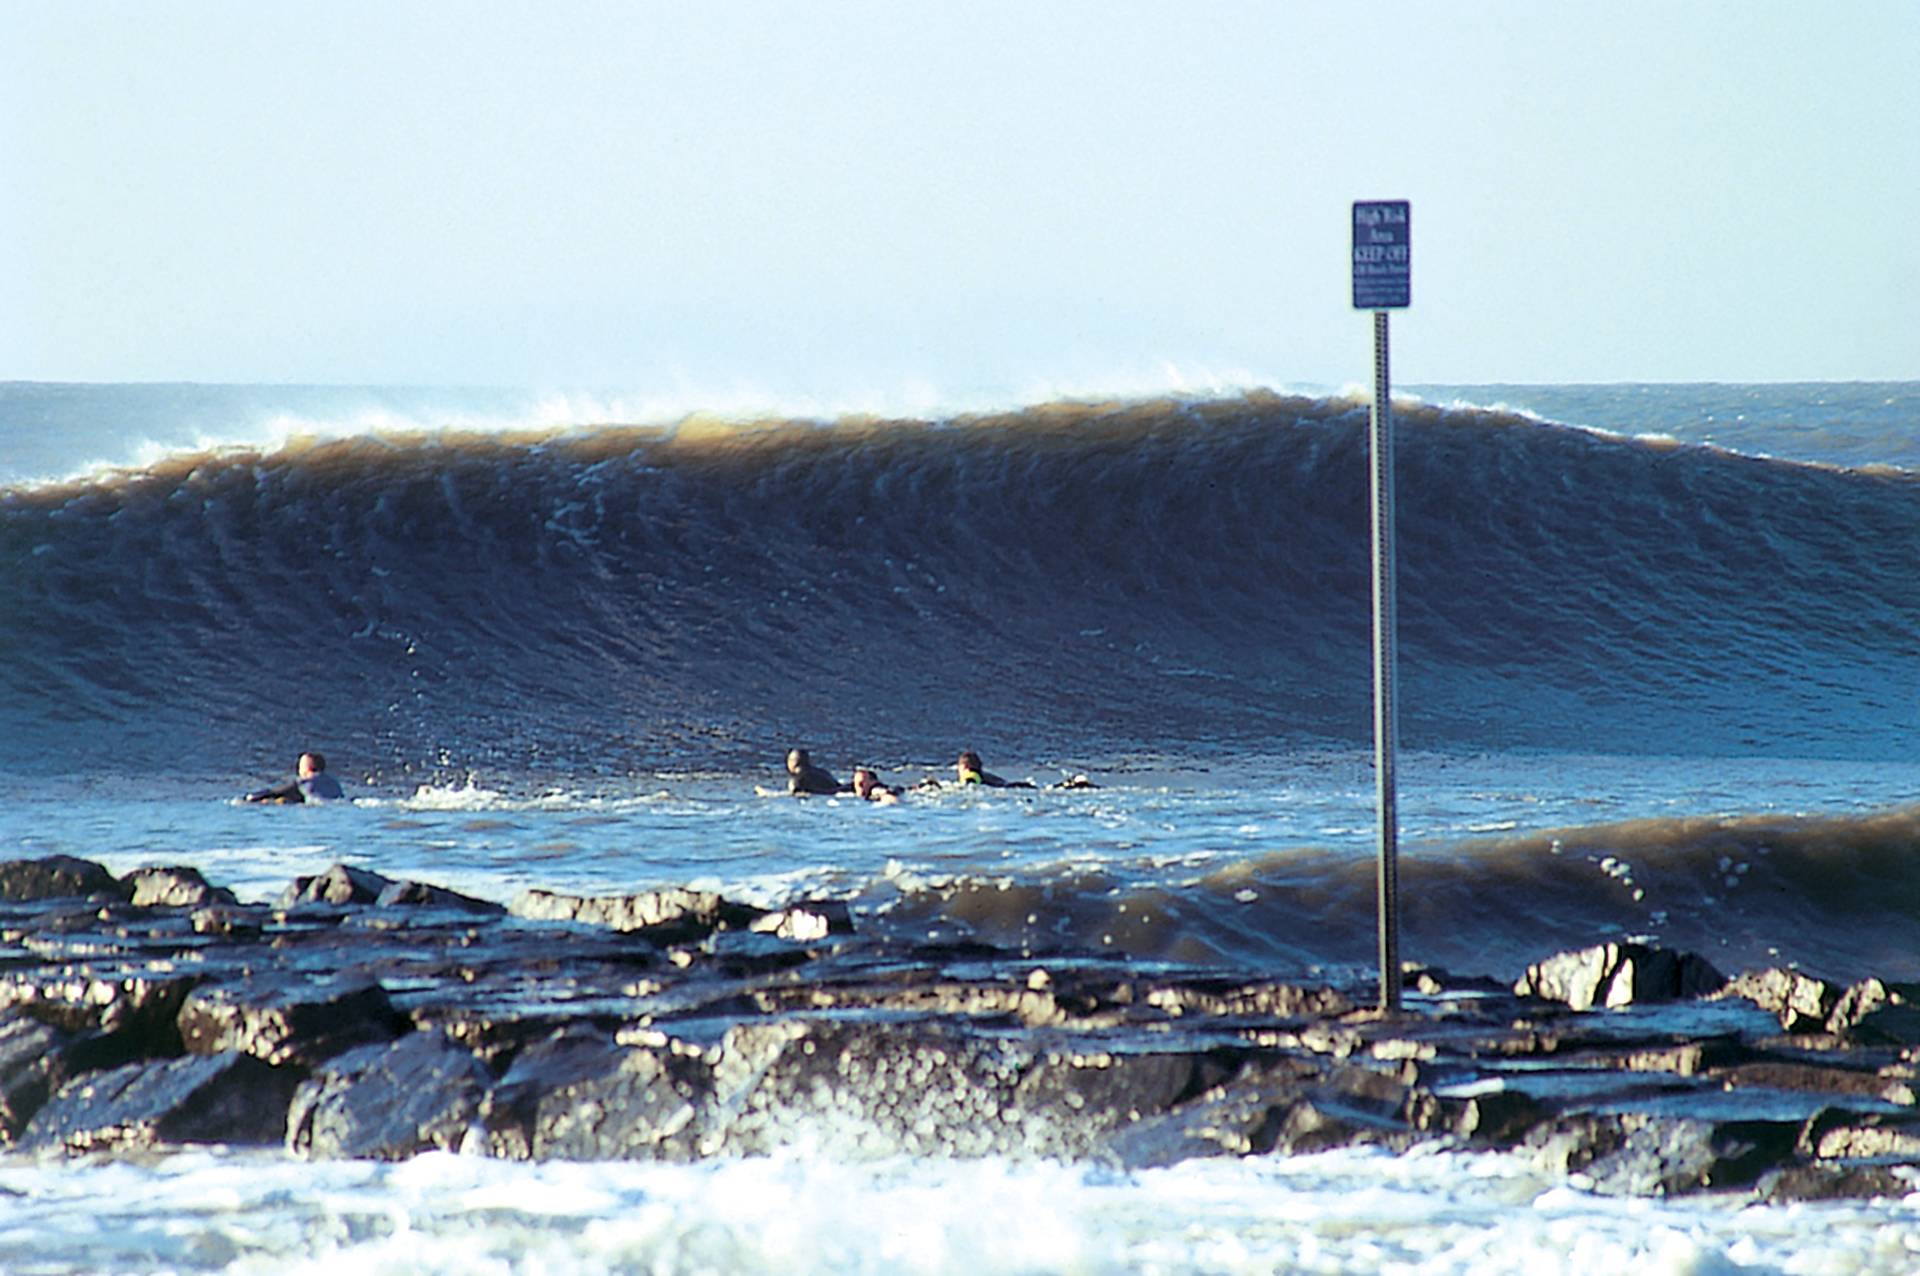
x=992, y=781
x=813, y=779
x=319, y=787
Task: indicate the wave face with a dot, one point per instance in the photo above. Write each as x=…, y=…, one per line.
x=1837, y=892
x=1148, y=577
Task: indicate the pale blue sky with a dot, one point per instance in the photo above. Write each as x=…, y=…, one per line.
x=947, y=200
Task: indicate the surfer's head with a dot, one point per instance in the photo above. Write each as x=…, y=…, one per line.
x=311, y=764
x=798, y=761
x=969, y=767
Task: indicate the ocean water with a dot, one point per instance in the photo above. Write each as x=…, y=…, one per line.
x=1659, y=678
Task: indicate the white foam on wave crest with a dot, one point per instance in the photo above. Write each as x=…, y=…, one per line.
x=111, y=430
x=1167, y=378
x=1340, y=1212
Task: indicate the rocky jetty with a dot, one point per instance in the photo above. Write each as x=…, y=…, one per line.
x=363, y=1017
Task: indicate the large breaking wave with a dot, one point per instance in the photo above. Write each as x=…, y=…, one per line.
x=1164, y=576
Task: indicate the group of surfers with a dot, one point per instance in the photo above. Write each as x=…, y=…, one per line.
x=312, y=783
x=805, y=777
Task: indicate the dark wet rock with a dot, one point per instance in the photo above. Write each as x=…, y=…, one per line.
x=1841, y=1134
x=1760, y=1072
x=1801, y=1001
x=32, y=1067
x=230, y=921
x=580, y=1095
x=741, y=954
x=287, y=1021
x=1568, y=1144
x=1014, y=1005
x=1495, y=1118
x=1686, y=1058
x=174, y=888
x=1878, y=1013
x=1614, y=975
x=225, y=1098
x=869, y=1089
x=110, y=1002
x=1356, y=1103
x=1828, y=1182
x=1284, y=1107
x=494, y=1038
x=917, y=1089
x=422, y=895
x=420, y=1093
x=340, y=884
x=59, y=877
x=1636, y=1154
x=806, y=922
x=1324, y=1120
x=686, y=913
x=1434, y=981
x=1109, y=1089
x=1239, y=1000
x=678, y=1025
x=1240, y=1117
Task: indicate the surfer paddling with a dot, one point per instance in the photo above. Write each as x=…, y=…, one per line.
x=312, y=784
x=803, y=777
x=866, y=784
x=970, y=770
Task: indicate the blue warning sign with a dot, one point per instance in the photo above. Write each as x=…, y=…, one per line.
x=1382, y=255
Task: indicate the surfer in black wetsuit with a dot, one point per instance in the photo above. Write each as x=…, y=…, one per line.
x=804, y=777
x=312, y=785
x=968, y=770
x=866, y=784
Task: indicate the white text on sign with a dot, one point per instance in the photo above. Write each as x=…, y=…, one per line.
x=1382, y=254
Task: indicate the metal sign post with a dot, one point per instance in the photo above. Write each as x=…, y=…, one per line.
x=1382, y=281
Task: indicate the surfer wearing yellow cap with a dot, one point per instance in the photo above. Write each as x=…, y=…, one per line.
x=969, y=770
